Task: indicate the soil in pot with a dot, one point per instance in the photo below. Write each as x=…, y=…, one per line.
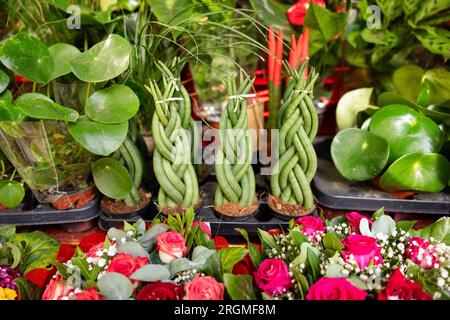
x=76, y=200
x=177, y=209
x=233, y=211
x=114, y=207
x=287, y=211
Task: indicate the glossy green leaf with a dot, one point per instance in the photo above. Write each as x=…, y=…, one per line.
x=97, y=138
x=9, y=111
x=104, y=61
x=27, y=289
x=359, y=155
x=272, y=13
x=350, y=104
x=388, y=98
x=112, y=178
x=4, y=81
x=417, y=171
x=62, y=54
x=11, y=193
x=230, y=256
x=407, y=80
x=115, y=104
x=239, y=287
x=406, y=131
x=172, y=12
x=39, y=106
x=28, y=57
x=438, y=81
x=330, y=241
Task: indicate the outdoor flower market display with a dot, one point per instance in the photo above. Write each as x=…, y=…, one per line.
x=224, y=150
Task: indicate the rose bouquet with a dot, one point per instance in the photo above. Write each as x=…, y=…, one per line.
x=355, y=257
x=171, y=260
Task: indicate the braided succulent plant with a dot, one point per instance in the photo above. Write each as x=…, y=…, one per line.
x=298, y=123
x=173, y=128
x=235, y=176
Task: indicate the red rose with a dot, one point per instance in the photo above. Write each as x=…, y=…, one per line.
x=297, y=13
x=161, y=291
x=354, y=218
x=171, y=245
x=362, y=249
x=335, y=289
x=91, y=294
x=401, y=288
x=422, y=252
x=126, y=264
x=204, y=288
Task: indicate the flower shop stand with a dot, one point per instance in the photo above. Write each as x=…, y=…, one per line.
x=333, y=191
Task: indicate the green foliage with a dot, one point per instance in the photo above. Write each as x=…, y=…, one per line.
x=239, y=287
x=11, y=193
x=112, y=178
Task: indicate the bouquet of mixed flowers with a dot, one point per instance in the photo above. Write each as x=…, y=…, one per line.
x=171, y=260
x=355, y=257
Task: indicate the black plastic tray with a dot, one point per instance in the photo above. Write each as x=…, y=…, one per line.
x=263, y=218
x=44, y=214
x=333, y=191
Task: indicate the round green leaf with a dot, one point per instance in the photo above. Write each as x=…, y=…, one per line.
x=350, y=104
x=97, y=138
x=39, y=106
x=112, y=178
x=417, y=171
x=407, y=80
x=359, y=155
x=11, y=193
x=115, y=286
x=388, y=98
x=28, y=57
x=406, y=131
x=112, y=105
x=4, y=81
x=438, y=81
x=62, y=54
x=8, y=111
x=104, y=61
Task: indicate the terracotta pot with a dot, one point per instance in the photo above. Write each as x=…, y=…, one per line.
x=75, y=200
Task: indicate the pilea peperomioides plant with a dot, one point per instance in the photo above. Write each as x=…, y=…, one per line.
x=235, y=194
x=297, y=164
x=173, y=128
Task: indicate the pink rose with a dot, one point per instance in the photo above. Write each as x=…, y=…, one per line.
x=335, y=289
x=422, y=252
x=171, y=245
x=273, y=277
x=363, y=249
x=204, y=288
x=126, y=264
x=204, y=226
x=92, y=253
x=311, y=225
x=354, y=218
x=56, y=290
x=401, y=288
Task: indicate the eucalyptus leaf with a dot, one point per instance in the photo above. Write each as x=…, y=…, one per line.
x=417, y=171
x=97, y=138
x=62, y=54
x=406, y=131
x=350, y=104
x=151, y=273
x=104, y=61
x=38, y=106
x=11, y=193
x=28, y=57
x=4, y=81
x=359, y=155
x=112, y=178
x=180, y=265
x=133, y=248
x=113, y=105
x=148, y=240
x=384, y=225
x=115, y=234
x=115, y=286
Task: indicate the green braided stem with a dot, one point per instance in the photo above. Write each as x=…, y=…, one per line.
x=235, y=176
x=298, y=124
x=172, y=132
